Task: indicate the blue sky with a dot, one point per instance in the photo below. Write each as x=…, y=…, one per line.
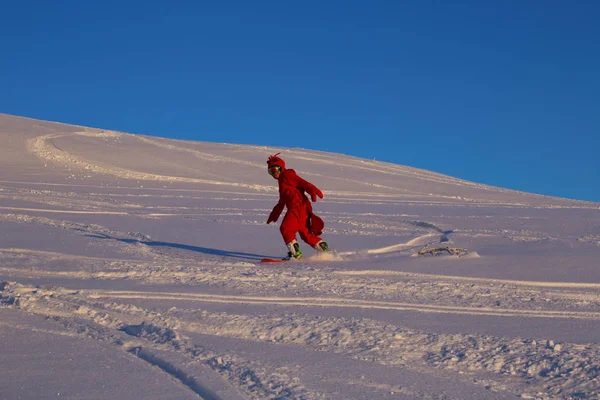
x=505, y=93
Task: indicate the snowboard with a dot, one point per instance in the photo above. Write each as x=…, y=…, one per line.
x=275, y=260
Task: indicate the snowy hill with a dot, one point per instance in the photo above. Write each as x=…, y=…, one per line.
x=130, y=268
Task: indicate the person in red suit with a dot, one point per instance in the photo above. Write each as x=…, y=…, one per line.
x=299, y=217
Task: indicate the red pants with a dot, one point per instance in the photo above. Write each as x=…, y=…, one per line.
x=297, y=222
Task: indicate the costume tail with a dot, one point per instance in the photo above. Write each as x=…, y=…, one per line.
x=316, y=225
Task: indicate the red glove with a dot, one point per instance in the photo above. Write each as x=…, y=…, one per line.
x=314, y=193
x=272, y=218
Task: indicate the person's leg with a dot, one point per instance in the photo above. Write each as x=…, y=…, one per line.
x=289, y=227
x=309, y=238
x=306, y=235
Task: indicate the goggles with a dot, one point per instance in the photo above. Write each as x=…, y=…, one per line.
x=274, y=169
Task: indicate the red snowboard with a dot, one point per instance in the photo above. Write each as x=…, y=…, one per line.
x=275, y=260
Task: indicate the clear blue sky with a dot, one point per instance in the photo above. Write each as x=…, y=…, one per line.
x=499, y=92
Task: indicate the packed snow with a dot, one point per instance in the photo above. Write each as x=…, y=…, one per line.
x=130, y=268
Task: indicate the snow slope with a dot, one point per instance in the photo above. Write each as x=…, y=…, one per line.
x=129, y=268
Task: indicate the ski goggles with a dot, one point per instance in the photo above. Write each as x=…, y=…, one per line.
x=273, y=169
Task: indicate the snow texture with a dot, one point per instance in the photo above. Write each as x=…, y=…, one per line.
x=130, y=268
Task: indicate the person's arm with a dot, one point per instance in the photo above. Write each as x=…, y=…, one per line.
x=274, y=216
x=309, y=188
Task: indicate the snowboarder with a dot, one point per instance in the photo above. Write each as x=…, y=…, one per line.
x=299, y=217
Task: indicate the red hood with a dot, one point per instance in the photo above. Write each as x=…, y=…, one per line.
x=276, y=160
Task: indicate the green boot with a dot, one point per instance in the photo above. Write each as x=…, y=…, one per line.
x=322, y=246
x=295, y=251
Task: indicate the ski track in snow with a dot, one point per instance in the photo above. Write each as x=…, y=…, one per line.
x=172, y=295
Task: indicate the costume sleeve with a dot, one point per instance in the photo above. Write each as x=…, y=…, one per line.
x=309, y=188
x=274, y=216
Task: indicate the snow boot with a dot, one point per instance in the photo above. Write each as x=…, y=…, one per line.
x=322, y=246
x=294, y=250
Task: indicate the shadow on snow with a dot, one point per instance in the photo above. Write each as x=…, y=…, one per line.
x=198, y=249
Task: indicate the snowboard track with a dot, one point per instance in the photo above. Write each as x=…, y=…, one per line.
x=161, y=335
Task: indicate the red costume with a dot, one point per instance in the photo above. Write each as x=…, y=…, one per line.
x=299, y=216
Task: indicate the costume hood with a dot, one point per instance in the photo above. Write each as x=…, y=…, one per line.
x=275, y=160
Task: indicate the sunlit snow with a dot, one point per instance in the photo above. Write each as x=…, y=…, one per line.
x=130, y=268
